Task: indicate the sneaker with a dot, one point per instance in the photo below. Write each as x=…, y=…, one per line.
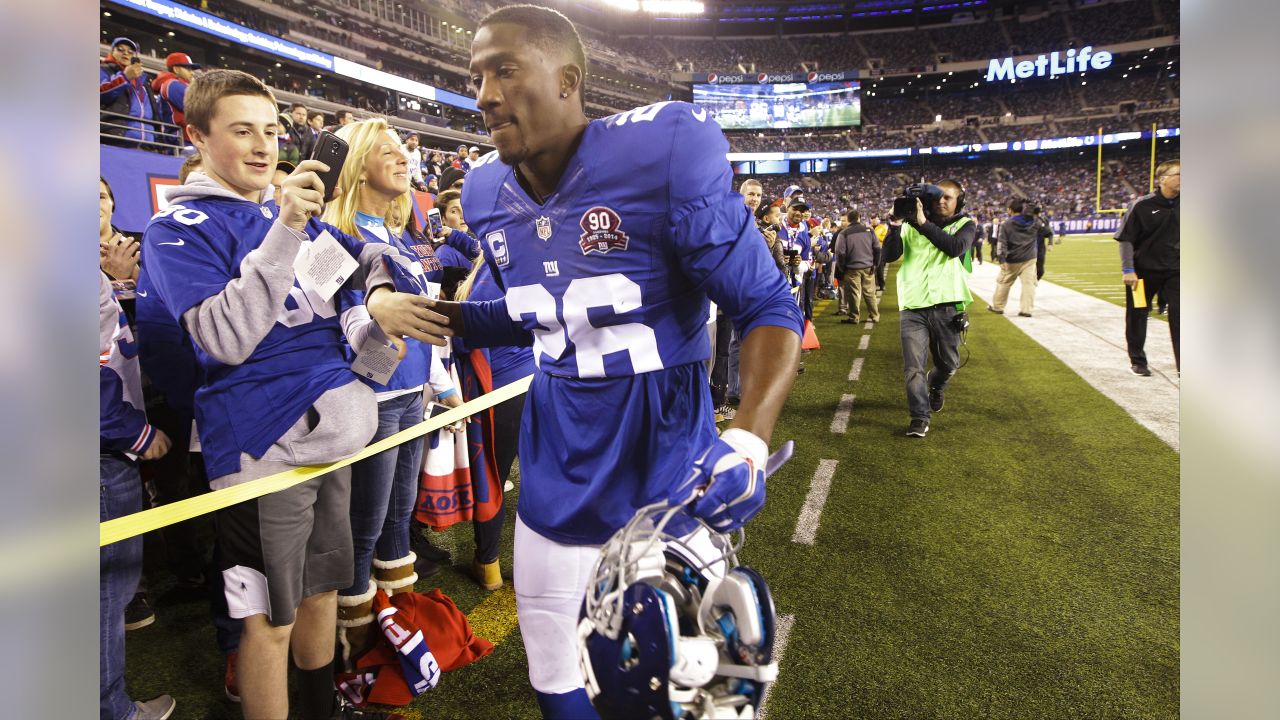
x=849, y=321
x=138, y=613
x=422, y=547
x=918, y=428
x=231, y=683
x=1163, y=310
x=1022, y=314
x=1142, y=370
x=991, y=309
x=840, y=312
x=936, y=400
x=800, y=370
x=160, y=708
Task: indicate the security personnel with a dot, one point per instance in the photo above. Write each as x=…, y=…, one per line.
x=932, y=294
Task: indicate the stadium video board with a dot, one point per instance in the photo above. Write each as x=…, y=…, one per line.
x=774, y=106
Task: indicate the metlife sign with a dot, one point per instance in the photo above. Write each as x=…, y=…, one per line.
x=1052, y=65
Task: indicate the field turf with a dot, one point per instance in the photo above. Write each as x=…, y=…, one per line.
x=1021, y=562
x=1089, y=264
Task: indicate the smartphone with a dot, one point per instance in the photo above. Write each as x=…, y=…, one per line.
x=433, y=219
x=332, y=151
x=433, y=409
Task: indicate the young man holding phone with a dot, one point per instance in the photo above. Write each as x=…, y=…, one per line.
x=248, y=281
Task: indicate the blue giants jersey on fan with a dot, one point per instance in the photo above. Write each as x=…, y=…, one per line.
x=609, y=280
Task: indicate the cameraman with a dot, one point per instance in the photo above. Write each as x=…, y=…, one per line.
x=932, y=293
x=1018, y=247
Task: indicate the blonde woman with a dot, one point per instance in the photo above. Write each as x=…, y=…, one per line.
x=373, y=205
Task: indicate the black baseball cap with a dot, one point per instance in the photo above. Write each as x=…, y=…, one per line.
x=798, y=202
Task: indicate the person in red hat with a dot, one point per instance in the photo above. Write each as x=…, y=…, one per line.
x=171, y=89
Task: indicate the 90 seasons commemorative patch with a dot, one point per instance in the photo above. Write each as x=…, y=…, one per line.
x=601, y=231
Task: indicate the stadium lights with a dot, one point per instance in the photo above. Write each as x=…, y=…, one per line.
x=106, y=13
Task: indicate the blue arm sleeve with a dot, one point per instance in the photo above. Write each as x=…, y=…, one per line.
x=176, y=93
x=486, y=323
x=715, y=236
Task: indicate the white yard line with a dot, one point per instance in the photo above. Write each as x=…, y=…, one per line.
x=811, y=514
x=782, y=633
x=1087, y=333
x=865, y=342
x=855, y=371
x=840, y=421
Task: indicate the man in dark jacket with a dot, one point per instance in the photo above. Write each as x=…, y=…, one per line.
x=857, y=255
x=1016, y=251
x=1150, y=252
x=124, y=88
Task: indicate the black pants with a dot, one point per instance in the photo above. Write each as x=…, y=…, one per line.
x=720, y=368
x=1167, y=285
x=506, y=439
x=186, y=547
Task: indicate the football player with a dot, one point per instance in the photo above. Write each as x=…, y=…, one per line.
x=608, y=237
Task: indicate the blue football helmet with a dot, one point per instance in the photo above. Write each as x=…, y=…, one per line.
x=672, y=626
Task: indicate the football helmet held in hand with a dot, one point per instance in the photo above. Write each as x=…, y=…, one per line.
x=673, y=627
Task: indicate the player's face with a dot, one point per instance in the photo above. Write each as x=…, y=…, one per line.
x=452, y=216
x=752, y=194
x=1171, y=182
x=317, y=122
x=795, y=215
x=240, y=149
x=946, y=205
x=105, y=206
x=517, y=86
x=412, y=142
x=386, y=169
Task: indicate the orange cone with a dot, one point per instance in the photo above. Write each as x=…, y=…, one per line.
x=810, y=341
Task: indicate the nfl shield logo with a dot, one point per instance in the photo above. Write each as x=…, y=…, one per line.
x=544, y=227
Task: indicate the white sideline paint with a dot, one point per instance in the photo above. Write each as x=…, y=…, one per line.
x=782, y=633
x=840, y=422
x=865, y=342
x=811, y=514
x=1087, y=334
x=855, y=372
x=868, y=326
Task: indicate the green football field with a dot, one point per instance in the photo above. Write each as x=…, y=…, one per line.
x=1021, y=562
x=1089, y=264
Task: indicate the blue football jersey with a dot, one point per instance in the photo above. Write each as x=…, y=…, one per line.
x=609, y=281
x=191, y=251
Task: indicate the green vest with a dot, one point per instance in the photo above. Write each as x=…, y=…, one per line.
x=927, y=276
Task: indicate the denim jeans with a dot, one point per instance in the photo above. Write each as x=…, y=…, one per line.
x=119, y=567
x=384, y=489
x=928, y=331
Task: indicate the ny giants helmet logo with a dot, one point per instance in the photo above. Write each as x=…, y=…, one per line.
x=601, y=231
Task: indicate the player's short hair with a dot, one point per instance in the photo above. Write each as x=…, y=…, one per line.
x=750, y=181
x=110, y=195
x=313, y=114
x=852, y=216
x=212, y=85
x=190, y=165
x=1016, y=204
x=550, y=30
x=447, y=196
x=295, y=106
x=1167, y=167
